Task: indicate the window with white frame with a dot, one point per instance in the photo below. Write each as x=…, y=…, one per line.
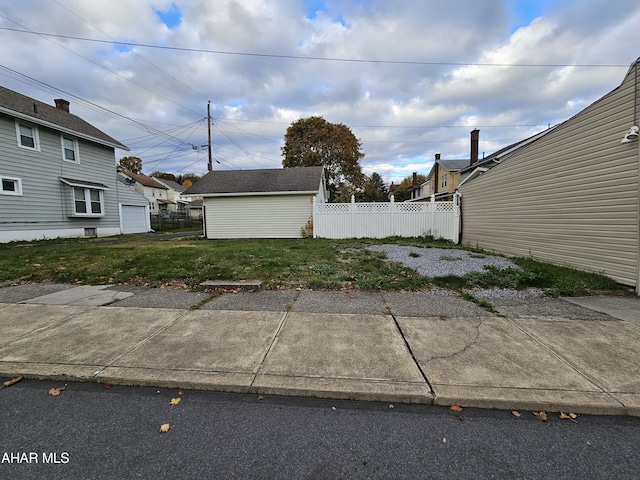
x=27, y=136
x=69, y=149
x=10, y=186
x=443, y=181
x=87, y=202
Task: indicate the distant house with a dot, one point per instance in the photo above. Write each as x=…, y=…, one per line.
x=154, y=191
x=444, y=177
x=57, y=174
x=174, y=194
x=134, y=209
x=570, y=196
x=269, y=203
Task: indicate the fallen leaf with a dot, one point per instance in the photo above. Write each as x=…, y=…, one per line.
x=515, y=413
x=391, y=405
x=333, y=408
x=564, y=416
x=260, y=397
x=175, y=401
x=180, y=392
x=107, y=385
x=56, y=391
x=8, y=383
x=456, y=408
x=573, y=416
x=541, y=415
x=164, y=428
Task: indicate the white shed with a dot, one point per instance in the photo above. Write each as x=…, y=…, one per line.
x=266, y=203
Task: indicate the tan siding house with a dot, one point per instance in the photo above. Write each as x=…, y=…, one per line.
x=269, y=203
x=571, y=196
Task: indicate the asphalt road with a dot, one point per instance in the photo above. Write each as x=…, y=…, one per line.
x=96, y=432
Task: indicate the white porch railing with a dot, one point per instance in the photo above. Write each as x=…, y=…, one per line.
x=380, y=220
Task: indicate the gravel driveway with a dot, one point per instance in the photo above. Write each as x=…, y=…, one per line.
x=439, y=262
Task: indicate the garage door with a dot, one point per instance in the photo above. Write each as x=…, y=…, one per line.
x=134, y=219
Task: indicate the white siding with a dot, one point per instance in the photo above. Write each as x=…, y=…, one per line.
x=261, y=216
x=570, y=198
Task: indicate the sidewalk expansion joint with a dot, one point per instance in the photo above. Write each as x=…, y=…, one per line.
x=140, y=343
x=271, y=345
x=413, y=356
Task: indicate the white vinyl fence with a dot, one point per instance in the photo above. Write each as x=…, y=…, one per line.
x=380, y=220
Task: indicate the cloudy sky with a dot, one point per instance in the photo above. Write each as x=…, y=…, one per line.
x=411, y=78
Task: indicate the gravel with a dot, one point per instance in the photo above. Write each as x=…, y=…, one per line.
x=440, y=262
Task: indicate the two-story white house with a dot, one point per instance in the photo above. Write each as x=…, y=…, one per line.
x=151, y=189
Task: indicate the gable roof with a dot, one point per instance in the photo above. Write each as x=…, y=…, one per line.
x=145, y=180
x=258, y=182
x=171, y=184
x=453, y=166
x=26, y=108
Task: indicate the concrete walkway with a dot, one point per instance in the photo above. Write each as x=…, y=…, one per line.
x=578, y=355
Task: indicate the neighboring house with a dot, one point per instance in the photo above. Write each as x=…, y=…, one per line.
x=571, y=196
x=154, y=191
x=174, y=194
x=194, y=208
x=56, y=172
x=270, y=203
x=444, y=177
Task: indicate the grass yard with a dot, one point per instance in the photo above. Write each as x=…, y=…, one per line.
x=312, y=263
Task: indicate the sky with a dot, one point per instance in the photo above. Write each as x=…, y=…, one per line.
x=410, y=78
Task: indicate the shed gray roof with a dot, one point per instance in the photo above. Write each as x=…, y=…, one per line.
x=299, y=179
x=21, y=106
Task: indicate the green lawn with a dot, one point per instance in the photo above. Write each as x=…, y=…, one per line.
x=313, y=263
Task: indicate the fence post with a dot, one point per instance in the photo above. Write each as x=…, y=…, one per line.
x=457, y=217
x=353, y=216
x=432, y=220
x=313, y=217
x=392, y=210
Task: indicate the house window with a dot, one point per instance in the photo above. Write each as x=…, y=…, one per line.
x=69, y=149
x=10, y=186
x=27, y=136
x=87, y=202
x=443, y=181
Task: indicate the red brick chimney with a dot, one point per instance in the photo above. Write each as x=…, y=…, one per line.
x=62, y=104
x=475, y=139
x=415, y=179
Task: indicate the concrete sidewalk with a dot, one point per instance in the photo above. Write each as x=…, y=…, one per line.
x=577, y=355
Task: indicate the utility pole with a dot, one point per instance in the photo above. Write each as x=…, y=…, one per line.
x=209, y=135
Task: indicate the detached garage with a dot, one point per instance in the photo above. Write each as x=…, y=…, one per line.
x=133, y=209
x=268, y=203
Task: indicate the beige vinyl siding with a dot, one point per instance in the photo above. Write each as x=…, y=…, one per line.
x=260, y=216
x=42, y=205
x=570, y=198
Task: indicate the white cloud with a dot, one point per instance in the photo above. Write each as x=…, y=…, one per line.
x=255, y=98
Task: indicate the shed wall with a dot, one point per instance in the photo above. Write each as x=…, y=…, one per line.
x=261, y=216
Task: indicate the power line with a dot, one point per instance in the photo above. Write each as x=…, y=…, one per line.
x=324, y=59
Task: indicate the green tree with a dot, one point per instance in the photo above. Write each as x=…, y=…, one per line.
x=313, y=141
x=131, y=164
x=374, y=190
x=403, y=190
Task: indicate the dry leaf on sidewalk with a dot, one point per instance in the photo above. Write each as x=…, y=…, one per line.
x=567, y=416
x=456, y=408
x=56, y=391
x=175, y=401
x=516, y=414
x=541, y=415
x=8, y=383
x=164, y=428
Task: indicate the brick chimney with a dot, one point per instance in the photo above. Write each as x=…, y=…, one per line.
x=62, y=104
x=475, y=139
x=437, y=156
